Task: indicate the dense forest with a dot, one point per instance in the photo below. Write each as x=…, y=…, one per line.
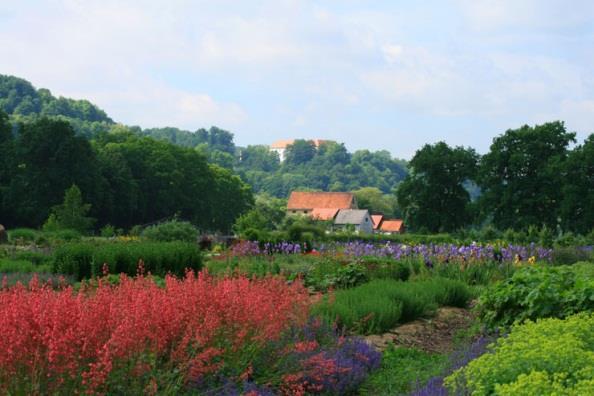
x=536, y=176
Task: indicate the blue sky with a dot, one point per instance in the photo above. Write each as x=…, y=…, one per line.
x=373, y=74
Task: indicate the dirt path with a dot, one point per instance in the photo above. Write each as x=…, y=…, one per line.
x=435, y=334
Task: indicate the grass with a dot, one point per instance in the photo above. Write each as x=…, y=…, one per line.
x=401, y=370
x=380, y=305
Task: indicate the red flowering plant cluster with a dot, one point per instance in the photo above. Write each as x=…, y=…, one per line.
x=136, y=337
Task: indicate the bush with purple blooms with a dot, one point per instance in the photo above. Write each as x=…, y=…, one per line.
x=314, y=359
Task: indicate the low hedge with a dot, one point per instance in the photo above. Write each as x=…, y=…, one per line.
x=379, y=305
x=86, y=259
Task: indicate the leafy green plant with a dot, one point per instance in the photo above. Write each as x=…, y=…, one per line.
x=538, y=292
x=347, y=276
x=549, y=356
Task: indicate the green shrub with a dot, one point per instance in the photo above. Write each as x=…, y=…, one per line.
x=65, y=235
x=489, y=233
x=382, y=268
x=538, y=292
x=350, y=275
x=172, y=231
x=546, y=357
x=570, y=255
x=10, y=266
x=108, y=231
x=22, y=235
x=380, y=305
x=34, y=257
x=86, y=259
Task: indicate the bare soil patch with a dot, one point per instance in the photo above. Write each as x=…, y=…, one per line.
x=435, y=334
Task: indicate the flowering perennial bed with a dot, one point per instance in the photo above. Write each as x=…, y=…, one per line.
x=133, y=333
x=198, y=334
x=434, y=252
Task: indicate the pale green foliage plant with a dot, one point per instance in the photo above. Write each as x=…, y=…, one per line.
x=546, y=357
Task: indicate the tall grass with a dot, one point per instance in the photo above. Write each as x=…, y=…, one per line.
x=381, y=304
x=86, y=259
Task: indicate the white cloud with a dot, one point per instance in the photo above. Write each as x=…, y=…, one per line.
x=392, y=52
x=331, y=66
x=492, y=15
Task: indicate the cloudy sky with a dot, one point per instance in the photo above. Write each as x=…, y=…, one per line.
x=374, y=74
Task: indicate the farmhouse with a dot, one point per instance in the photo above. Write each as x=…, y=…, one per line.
x=357, y=220
x=280, y=146
x=320, y=205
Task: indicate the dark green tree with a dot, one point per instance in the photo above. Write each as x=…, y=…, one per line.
x=48, y=158
x=257, y=158
x=520, y=179
x=230, y=198
x=300, y=152
x=433, y=197
x=267, y=214
x=374, y=200
x=577, y=202
x=71, y=214
x=6, y=157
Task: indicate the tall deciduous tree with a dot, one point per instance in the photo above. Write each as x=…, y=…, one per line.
x=373, y=199
x=520, y=176
x=577, y=204
x=6, y=157
x=433, y=197
x=300, y=152
x=48, y=158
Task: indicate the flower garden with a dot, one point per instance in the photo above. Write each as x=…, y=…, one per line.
x=138, y=317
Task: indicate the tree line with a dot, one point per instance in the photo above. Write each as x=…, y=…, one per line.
x=329, y=168
x=127, y=179
x=530, y=177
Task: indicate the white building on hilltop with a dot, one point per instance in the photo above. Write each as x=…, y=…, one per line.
x=280, y=146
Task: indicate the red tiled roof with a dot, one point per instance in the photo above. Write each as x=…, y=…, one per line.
x=326, y=200
x=282, y=144
x=324, y=213
x=392, y=226
x=377, y=219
